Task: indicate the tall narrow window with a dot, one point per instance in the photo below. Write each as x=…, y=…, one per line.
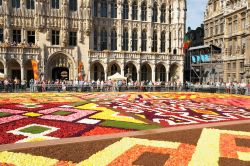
x=170, y=15
x=134, y=40
x=73, y=5
x=113, y=9
x=16, y=3
x=125, y=40
x=170, y=42
x=134, y=11
x=104, y=8
x=72, y=38
x=154, y=43
x=95, y=8
x=1, y=35
x=144, y=12
x=31, y=37
x=144, y=41
x=95, y=40
x=55, y=4
x=30, y=4
x=163, y=41
x=125, y=10
x=104, y=39
x=16, y=36
x=55, y=37
x=155, y=13
x=163, y=13
x=113, y=40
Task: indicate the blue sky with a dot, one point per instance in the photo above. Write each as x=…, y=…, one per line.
x=195, y=12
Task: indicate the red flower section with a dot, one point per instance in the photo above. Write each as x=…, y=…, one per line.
x=104, y=130
x=66, y=129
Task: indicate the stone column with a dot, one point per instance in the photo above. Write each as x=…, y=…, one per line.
x=167, y=72
x=105, y=74
x=139, y=73
x=122, y=70
x=181, y=72
x=153, y=73
x=5, y=70
x=22, y=72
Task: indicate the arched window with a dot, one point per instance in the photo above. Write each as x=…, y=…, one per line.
x=134, y=40
x=154, y=43
x=144, y=41
x=134, y=11
x=125, y=40
x=162, y=73
x=143, y=11
x=104, y=8
x=30, y=4
x=155, y=13
x=104, y=39
x=125, y=10
x=144, y=73
x=113, y=9
x=113, y=40
x=95, y=40
x=163, y=41
x=163, y=13
x=95, y=8
x=114, y=69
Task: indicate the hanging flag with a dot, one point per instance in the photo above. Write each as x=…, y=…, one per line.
x=80, y=74
x=186, y=42
x=35, y=69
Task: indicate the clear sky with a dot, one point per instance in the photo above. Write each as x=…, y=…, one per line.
x=195, y=12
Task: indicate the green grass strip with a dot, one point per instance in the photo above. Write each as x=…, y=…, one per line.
x=128, y=125
x=80, y=103
x=34, y=129
x=3, y=114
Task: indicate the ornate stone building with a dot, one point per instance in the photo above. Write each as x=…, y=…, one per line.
x=141, y=39
x=227, y=26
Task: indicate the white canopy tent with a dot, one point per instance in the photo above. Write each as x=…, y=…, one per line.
x=117, y=77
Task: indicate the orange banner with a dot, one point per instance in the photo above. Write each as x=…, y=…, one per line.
x=80, y=68
x=35, y=69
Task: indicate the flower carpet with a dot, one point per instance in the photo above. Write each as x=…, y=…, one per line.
x=28, y=117
x=207, y=147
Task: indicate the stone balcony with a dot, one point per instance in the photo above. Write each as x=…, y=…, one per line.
x=19, y=52
x=132, y=56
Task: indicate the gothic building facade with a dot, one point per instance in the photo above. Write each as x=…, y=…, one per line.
x=227, y=26
x=140, y=39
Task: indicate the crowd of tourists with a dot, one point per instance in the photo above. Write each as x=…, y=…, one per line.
x=15, y=85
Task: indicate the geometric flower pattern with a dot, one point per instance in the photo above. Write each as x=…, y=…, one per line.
x=212, y=145
x=85, y=114
x=64, y=114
